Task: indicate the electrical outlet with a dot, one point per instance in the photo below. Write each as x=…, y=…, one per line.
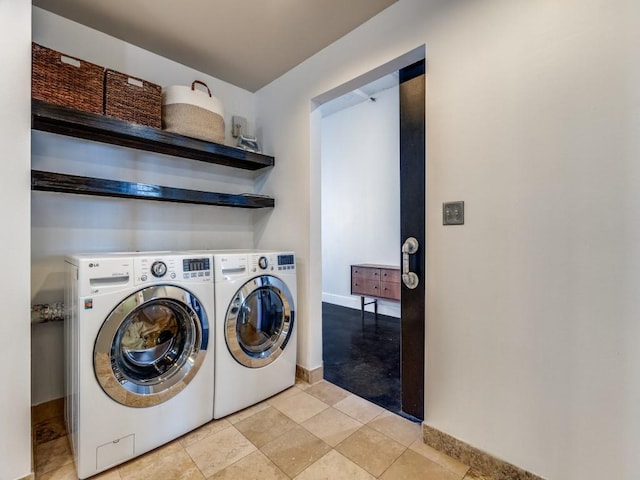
x=238, y=126
x=453, y=213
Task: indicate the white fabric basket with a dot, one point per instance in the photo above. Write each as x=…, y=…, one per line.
x=194, y=113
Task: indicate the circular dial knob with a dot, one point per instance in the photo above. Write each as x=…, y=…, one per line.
x=158, y=269
x=263, y=262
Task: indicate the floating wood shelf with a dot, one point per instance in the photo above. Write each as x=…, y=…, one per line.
x=58, y=182
x=100, y=128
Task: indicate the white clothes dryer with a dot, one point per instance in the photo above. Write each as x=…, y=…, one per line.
x=138, y=353
x=255, y=326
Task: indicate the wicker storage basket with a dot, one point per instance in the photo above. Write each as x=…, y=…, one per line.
x=193, y=113
x=132, y=99
x=67, y=81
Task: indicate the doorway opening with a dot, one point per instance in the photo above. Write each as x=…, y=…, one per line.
x=361, y=135
x=361, y=226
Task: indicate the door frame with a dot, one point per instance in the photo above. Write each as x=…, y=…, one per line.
x=412, y=224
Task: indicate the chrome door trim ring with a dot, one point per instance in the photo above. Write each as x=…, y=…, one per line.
x=231, y=320
x=115, y=383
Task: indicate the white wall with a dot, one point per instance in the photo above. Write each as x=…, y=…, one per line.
x=360, y=194
x=15, y=95
x=63, y=224
x=532, y=306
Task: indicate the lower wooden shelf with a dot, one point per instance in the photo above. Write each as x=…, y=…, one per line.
x=59, y=182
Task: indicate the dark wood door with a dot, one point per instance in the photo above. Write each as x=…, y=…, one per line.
x=412, y=224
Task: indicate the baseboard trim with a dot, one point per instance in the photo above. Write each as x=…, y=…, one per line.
x=310, y=376
x=479, y=461
x=389, y=308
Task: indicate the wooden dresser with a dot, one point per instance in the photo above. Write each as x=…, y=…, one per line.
x=376, y=282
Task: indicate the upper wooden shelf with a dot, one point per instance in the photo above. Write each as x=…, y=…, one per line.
x=65, y=121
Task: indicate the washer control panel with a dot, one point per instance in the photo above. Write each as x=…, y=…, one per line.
x=272, y=262
x=182, y=268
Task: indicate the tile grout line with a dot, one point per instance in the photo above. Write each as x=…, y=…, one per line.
x=258, y=449
x=393, y=463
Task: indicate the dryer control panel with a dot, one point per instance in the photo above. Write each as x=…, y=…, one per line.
x=286, y=261
x=273, y=262
x=180, y=268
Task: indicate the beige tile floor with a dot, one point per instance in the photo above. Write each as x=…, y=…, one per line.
x=308, y=432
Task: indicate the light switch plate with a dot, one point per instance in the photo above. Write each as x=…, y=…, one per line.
x=453, y=213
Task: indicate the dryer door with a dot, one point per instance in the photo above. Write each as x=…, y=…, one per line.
x=259, y=321
x=151, y=346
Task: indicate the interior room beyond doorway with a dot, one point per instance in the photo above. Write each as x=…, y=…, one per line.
x=361, y=224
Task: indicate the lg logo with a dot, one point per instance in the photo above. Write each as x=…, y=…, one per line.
x=94, y=265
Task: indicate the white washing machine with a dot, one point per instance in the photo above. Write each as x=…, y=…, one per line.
x=138, y=353
x=255, y=327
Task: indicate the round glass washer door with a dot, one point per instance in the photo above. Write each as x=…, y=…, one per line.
x=259, y=321
x=151, y=345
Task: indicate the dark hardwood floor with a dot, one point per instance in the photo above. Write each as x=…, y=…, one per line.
x=363, y=360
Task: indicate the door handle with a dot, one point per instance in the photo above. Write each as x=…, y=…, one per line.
x=410, y=279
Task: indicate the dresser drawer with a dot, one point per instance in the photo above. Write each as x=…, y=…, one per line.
x=365, y=273
x=368, y=287
x=390, y=275
x=390, y=290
